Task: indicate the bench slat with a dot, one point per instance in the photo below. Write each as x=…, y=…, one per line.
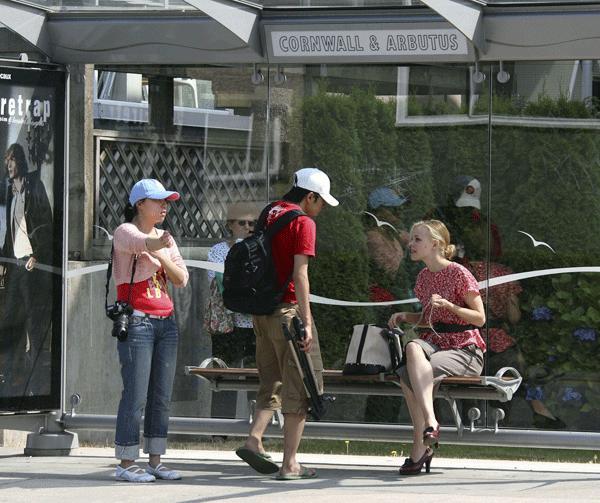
x=328, y=376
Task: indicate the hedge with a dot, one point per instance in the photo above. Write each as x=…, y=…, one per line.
x=544, y=181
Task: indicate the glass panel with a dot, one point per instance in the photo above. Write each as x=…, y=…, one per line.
x=533, y=2
x=391, y=3
x=12, y=46
x=110, y=5
x=182, y=5
x=343, y=119
x=440, y=96
x=120, y=100
x=545, y=208
x=140, y=5
x=339, y=3
x=214, y=154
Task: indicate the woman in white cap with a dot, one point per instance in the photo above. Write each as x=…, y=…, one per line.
x=145, y=259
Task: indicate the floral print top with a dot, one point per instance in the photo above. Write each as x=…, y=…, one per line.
x=452, y=283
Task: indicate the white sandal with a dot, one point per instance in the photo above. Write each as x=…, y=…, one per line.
x=160, y=471
x=133, y=474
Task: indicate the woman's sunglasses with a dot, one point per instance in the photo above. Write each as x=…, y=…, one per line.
x=249, y=223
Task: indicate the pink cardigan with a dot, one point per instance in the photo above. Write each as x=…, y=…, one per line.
x=129, y=240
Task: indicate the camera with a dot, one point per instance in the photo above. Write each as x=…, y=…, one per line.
x=119, y=312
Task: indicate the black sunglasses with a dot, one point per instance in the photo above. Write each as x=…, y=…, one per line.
x=249, y=223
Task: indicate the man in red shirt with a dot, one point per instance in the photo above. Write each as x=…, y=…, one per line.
x=280, y=382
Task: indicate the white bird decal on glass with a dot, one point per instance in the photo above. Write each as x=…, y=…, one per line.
x=30, y=234
x=380, y=223
x=536, y=242
x=110, y=238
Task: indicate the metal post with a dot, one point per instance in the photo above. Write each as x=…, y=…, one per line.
x=586, y=79
x=160, y=103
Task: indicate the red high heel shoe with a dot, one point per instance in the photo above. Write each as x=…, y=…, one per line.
x=411, y=467
x=431, y=436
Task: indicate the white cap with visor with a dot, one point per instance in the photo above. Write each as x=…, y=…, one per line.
x=315, y=180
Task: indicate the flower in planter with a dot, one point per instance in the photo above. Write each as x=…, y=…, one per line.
x=542, y=313
x=534, y=393
x=585, y=334
x=571, y=395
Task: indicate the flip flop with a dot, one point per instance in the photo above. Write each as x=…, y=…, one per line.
x=262, y=463
x=305, y=473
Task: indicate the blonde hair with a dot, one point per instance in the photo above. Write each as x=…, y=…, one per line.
x=438, y=232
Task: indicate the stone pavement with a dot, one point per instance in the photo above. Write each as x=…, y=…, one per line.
x=218, y=476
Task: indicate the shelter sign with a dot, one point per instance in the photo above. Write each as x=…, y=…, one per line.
x=377, y=44
x=32, y=108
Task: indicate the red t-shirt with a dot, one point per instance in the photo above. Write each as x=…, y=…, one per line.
x=297, y=238
x=150, y=295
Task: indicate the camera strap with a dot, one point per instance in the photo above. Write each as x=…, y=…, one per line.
x=109, y=274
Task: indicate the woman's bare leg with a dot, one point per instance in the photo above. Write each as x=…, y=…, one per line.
x=421, y=380
x=418, y=448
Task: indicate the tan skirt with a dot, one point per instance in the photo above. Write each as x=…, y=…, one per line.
x=447, y=362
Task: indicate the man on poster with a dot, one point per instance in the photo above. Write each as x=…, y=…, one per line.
x=25, y=319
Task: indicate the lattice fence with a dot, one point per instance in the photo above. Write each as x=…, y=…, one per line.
x=208, y=179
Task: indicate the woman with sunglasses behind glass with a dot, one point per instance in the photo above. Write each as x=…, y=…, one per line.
x=238, y=345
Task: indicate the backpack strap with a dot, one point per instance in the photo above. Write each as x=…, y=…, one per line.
x=262, y=219
x=275, y=227
x=281, y=222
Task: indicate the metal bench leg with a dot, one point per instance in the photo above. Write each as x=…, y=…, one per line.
x=474, y=415
x=456, y=415
x=499, y=415
x=277, y=419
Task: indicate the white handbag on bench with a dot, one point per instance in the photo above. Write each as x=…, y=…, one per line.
x=373, y=350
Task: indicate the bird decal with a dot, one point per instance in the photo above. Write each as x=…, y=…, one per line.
x=537, y=243
x=31, y=234
x=110, y=237
x=380, y=223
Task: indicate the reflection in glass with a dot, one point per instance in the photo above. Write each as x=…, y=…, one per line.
x=245, y=137
x=545, y=186
x=213, y=153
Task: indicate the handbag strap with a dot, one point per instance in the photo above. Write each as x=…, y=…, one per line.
x=395, y=356
x=361, y=344
x=109, y=274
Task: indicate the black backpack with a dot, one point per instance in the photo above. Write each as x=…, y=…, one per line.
x=249, y=278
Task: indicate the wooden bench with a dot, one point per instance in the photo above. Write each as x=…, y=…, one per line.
x=500, y=387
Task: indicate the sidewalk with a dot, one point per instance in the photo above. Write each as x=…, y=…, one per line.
x=219, y=476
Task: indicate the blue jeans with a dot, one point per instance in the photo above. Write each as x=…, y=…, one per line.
x=148, y=357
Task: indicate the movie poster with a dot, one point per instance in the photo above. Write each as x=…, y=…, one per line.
x=32, y=109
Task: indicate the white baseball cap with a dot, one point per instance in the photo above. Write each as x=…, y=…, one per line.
x=148, y=188
x=470, y=194
x=315, y=180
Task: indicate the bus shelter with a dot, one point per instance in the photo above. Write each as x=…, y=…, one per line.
x=484, y=114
